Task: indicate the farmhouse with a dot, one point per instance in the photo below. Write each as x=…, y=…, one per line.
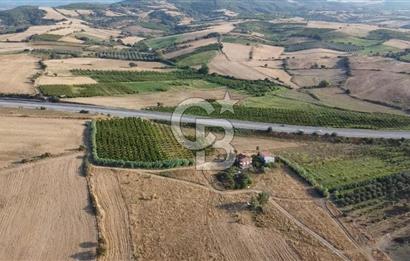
x=243, y=161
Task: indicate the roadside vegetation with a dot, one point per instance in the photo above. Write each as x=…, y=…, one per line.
x=314, y=116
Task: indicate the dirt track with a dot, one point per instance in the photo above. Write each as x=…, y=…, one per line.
x=45, y=212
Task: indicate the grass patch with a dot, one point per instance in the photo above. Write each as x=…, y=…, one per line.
x=121, y=88
x=46, y=37
x=162, y=42
x=197, y=59
x=362, y=42
x=380, y=49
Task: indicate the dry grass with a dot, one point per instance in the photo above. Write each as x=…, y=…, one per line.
x=143, y=100
x=131, y=40
x=52, y=14
x=45, y=212
x=191, y=47
x=13, y=47
x=385, y=87
x=251, y=63
x=215, y=226
x=25, y=138
x=338, y=98
x=312, y=77
x=64, y=66
x=65, y=80
x=400, y=44
x=360, y=30
x=308, y=58
x=66, y=12
x=378, y=64
x=16, y=72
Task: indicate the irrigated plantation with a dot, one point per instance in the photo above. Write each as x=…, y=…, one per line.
x=354, y=174
x=137, y=143
x=317, y=116
x=130, y=55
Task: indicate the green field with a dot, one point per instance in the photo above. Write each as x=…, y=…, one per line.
x=380, y=49
x=162, y=42
x=46, y=37
x=342, y=169
x=121, y=88
x=362, y=42
x=326, y=117
x=123, y=82
x=137, y=143
x=197, y=59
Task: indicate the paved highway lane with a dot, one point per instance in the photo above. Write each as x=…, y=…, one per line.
x=247, y=125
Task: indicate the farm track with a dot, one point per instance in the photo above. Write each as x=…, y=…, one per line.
x=272, y=200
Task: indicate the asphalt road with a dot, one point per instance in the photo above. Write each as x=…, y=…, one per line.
x=247, y=125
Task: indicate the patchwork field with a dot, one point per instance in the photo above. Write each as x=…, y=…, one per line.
x=45, y=213
x=16, y=72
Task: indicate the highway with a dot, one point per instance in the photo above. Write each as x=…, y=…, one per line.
x=246, y=125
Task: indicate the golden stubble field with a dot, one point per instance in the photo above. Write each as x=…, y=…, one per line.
x=45, y=211
x=27, y=137
x=16, y=73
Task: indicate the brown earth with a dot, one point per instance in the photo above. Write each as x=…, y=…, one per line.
x=45, y=213
x=15, y=73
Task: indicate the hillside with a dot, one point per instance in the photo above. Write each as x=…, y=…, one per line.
x=20, y=18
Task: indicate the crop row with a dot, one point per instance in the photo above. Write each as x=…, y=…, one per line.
x=252, y=87
x=310, y=117
x=133, y=142
x=128, y=55
x=392, y=187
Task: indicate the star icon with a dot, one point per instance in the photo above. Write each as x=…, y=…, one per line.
x=227, y=103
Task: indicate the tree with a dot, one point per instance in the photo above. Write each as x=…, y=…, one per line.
x=204, y=69
x=258, y=162
x=257, y=203
x=323, y=84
